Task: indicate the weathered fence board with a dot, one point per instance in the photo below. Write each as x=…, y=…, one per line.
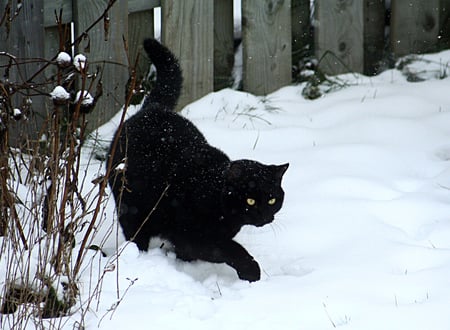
x=54, y=11
x=187, y=29
x=139, y=5
x=105, y=48
x=374, y=30
x=55, y=7
x=345, y=32
x=25, y=44
x=140, y=26
x=417, y=26
x=266, y=36
x=223, y=43
x=349, y=36
x=301, y=29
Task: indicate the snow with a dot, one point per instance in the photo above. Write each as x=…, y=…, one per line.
x=87, y=98
x=63, y=59
x=79, y=61
x=120, y=167
x=17, y=112
x=59, y=93
x=362, y=241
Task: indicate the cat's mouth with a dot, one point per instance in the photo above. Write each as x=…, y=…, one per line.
x=263, y=222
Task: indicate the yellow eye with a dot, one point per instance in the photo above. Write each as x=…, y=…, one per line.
x=251, y=201
x=272, y=201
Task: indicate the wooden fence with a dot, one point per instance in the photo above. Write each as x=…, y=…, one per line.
x=349, y=35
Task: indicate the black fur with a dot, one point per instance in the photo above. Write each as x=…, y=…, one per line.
x=178, y=187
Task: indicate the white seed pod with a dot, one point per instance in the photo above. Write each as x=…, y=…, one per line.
x=80, y=61
x=59, y=95
x=86, y=100
x=63, y=60
x=17, y=114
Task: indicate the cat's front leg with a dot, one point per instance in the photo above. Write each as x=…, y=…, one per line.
x=229, y=252
x=248, y=270
x=238, y=258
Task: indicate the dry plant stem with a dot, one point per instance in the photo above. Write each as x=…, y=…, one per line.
x=56, y=154
x=62, y=195
x=3, y=174
x=52, y=191
x=70, y=179
x=12, y=58
x=77, y=40
x=151, y=212
x=97, y=289
x=55, y=172
x=67, y=190
x=17, y=62
x=6, y=199
x=7, y=18
x=104, y=181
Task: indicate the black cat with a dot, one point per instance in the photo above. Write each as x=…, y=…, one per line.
x=178, y=187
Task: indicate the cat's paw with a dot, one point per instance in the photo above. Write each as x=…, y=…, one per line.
x=249, y=271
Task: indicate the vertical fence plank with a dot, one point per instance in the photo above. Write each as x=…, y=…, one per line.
x=301, y=30
x=339, y=36
x=53, y=9
x=140, y=26
x=345, y=33
x=25, y=41
x=223, y=43
x=107, y=52
x=416, y=25
x=444, y=26
x=349, y=36
x=266, y=34
x=374, y=26
x=188, y=31
x=444, y=18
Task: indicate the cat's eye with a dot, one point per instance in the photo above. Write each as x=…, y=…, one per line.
x=272, y=201
x=251, y=201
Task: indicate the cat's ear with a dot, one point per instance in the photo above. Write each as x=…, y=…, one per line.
x=280, y=170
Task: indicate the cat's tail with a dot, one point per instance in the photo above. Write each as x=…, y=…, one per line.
x=169, y=78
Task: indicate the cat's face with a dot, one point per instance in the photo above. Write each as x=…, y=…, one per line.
x=252, y=192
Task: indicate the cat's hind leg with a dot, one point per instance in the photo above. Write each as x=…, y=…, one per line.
x=133, y=221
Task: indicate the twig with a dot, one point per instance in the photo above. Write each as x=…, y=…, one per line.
x=103, y=182
x=78, y=39
x=328, y=315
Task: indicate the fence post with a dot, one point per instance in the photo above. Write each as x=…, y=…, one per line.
x=444, y=27
x=348, y=35
x=53, y=9
x=187, y=29
x=301, y=30
x=416, y=26
x=374, y=41
x=105, y=51
x=223, y=43
x=25, y=41
x=140, y=27
x=266, y=34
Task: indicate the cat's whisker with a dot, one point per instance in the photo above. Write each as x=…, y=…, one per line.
x=277, y=228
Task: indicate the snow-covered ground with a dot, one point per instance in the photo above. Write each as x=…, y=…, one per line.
x=363, y=239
